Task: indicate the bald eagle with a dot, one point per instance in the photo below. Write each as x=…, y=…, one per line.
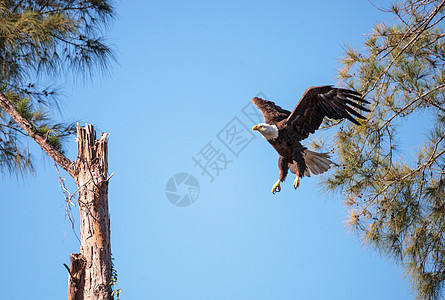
x=284, y=130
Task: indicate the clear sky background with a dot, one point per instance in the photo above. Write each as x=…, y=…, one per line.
x=185, y=71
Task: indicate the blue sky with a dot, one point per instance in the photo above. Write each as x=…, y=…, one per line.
x=184, y=72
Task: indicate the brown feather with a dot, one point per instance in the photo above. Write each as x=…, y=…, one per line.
x=272, y=113
x=324, y=101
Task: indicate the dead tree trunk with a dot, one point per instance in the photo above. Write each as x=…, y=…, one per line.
x=77, y=277
x=90, y=174
x=91, y=270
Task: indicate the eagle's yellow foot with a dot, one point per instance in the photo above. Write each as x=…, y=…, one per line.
x=276, y=187
x=297, y=182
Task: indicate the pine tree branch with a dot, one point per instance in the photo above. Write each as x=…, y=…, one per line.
x=62, y=160
x=68, y=8
x=414, y=101
x=43, y=6
x=429, y=162
x=425, y=24
x=17, y=5
x=13, y=128
x=399, y=207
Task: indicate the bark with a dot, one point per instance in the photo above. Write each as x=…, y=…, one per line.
x=90, y=270
x=91, y=178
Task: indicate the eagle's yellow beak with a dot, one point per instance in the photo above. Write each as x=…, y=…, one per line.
x=256, y=127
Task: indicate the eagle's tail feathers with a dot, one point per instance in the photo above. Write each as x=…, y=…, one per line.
x=317, y=163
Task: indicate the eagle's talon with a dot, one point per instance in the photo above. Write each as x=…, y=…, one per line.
x=276, y=187
x=296, y=182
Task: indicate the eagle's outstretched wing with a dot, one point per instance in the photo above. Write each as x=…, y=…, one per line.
x=324, y=101
x=272, y=113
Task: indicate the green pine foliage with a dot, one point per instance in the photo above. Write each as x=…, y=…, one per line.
x=396, y=200
x=42, y=42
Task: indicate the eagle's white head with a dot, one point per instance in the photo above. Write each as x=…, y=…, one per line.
x=269, y=132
